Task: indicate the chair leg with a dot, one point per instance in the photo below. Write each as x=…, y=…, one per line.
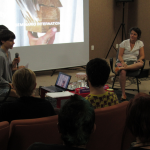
x=113, y=81
x=137, y=84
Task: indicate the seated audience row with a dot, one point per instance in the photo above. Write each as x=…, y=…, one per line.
x=76, y=122
x=76, y=118
x=28, y=106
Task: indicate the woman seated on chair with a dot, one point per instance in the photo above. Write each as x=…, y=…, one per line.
x=138, y=121
x=131, y=54
x=27, y=106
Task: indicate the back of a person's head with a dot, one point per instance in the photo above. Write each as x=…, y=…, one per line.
x=24, y=82
x=2, y=27
x=138, y=117
x=6, y=35
x=76, y=121
x=97, y=71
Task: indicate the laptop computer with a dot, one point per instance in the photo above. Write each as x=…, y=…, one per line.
x=61, y=84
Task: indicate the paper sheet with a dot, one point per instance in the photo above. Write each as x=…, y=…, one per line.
x=59, y=94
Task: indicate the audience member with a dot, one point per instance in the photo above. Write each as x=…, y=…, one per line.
x=27, y=106
x=2, y=27
x=138, y=121
x=76, y=122
x=98, y=71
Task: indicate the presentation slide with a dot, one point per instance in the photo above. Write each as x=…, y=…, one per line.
x=45, y=29
x=32, y=19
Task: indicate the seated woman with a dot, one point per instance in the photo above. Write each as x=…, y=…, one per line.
x=27, y=106
x=138, y=121
x=131, y=54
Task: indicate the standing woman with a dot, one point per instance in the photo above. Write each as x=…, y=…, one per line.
x=131, y=55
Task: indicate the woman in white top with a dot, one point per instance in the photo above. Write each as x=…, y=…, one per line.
x=131, y=54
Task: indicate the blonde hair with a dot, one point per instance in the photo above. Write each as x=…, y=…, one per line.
x=24, y=81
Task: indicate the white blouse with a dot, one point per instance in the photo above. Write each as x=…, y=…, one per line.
x=128, y=53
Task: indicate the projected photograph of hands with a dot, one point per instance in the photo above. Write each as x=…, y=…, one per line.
x=41, y=22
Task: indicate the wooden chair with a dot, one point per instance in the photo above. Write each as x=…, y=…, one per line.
x=4, y=135
x=25, y=132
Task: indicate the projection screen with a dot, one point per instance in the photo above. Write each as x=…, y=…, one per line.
x=50, y=34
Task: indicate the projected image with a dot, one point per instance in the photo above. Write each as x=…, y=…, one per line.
x=41, y=22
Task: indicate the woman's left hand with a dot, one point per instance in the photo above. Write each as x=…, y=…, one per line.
x=140, y=61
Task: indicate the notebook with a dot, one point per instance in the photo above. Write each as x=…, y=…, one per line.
x=61, y=84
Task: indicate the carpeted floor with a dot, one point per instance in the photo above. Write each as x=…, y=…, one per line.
x=129, y=96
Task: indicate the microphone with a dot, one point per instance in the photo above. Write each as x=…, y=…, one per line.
x=16, y=56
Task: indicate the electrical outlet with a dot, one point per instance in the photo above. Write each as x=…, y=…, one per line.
x=92, y=47
x=116, y=45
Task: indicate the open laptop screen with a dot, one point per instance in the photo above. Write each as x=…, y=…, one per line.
x=63, y=80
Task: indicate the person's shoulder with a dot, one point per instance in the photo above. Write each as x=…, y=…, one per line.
x=88, y=96
x=2, y=55
x=126, y=41
x=40, y=100
x=111, y=94
x=11, y=102
x=32, y=99
x=140, y=42
x=39, y=146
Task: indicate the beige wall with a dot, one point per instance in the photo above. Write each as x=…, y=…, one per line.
x=139, y=15
x=105, y=17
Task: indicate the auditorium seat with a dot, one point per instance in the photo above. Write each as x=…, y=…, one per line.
x=4, y=135
x=25, y=132
x=110, y=130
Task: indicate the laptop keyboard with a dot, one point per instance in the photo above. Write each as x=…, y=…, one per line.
x=56, y=89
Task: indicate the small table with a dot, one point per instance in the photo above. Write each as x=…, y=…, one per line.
x=44, y=90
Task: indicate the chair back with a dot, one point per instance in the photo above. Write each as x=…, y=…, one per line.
x=25, y=132
x=4, y=91
x=4, y=135
x=110, y=125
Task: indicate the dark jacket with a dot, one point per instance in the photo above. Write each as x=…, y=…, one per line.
x=26, y=108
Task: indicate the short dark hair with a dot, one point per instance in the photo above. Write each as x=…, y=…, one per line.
x=2, y=27
x=138, y=117
x=76, y=121
x=137, y=30
x=6, y=35
x=97, y=71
